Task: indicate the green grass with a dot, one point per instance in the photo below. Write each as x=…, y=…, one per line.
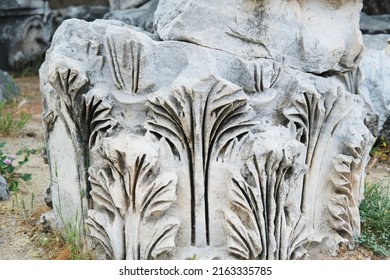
x=11, y=122
x=375, y=220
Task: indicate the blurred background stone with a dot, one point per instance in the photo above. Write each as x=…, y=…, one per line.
x=376, y=7
x=8, y=88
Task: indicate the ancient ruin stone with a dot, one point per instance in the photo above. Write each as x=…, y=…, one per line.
x=374, y=86
x=375, y=24
x=218, y=141
x=134, y=12
x=26, y=28
x=259, y=29
x=370, y=82
x=376, y=7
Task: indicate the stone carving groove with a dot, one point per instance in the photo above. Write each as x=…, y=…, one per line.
x=316, y=118
x=129, y=195
x=262, y=223
x=185, y=150
x=199, y=124
x=125, y=68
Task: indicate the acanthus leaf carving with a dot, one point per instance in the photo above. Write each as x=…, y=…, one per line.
x=137, y=194
x=317, y=119
x=163, y=239
x=125, y=60
x=262, y=221
x=347, y=186
x=199, y=123
x=265, y=75
x=107, y=218
x=96, y=115
x=70, y=78
x=70, y=75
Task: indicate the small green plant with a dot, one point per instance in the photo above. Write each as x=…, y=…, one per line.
x=72, y=233
x=375, y=220
x=28, y=208
x=9, y=170
x=11, y=123
x=73, y=239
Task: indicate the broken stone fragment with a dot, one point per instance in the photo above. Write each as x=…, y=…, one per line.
x=226, y=139
x=3, y=189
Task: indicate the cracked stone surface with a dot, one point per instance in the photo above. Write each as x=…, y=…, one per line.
x=235, y=136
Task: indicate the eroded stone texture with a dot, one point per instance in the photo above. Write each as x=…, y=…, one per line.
x=369, y=81
x=174, y=149
x=290, y=32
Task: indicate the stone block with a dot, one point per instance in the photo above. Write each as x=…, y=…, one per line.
x=211, y=142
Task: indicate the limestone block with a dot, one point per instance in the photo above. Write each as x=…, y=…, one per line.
x=313, y=36
x=175, y=149
x=140, y=16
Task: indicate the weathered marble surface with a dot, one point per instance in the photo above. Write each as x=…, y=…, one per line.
x=290, y=32
x=166, y=149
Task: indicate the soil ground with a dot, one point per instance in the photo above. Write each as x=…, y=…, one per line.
x=21, y=234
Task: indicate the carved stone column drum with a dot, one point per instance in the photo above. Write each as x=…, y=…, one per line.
x=222, y=135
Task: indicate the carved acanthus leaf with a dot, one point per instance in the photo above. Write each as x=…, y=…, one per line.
x=324, y=122
x=262, y=222
x=199, y=122
x=97, y=119
x=265, y=75
x=131, y=193
x=125, y=60
x=347, y=185
x=163, y=240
